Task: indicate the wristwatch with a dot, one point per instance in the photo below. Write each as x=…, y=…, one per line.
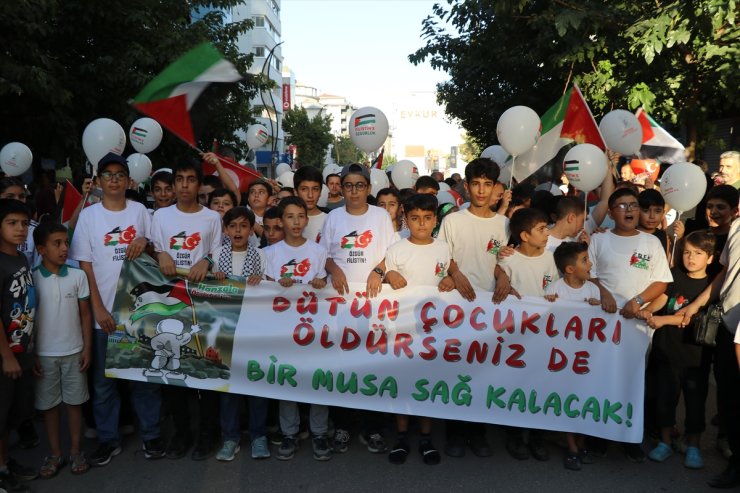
x=379, y=272
x=638, y=299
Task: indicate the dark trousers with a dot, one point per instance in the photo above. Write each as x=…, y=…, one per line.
x=728, y=390
x=177, y=400
x=670, y=382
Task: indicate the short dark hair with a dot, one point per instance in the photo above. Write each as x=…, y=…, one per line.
x=649, y=198
x=426, y=182
x=260, y=183
x=422, y=201
x=704, y=240
x=9, y=181
x=12, y=206
x=221, y=192
x=272, y=213
x=725, y=193
x=331, y=175
x=567, y=253
x=523, y=191
x=164, y=177
x=187, y=165
x=45, y=229
x=619, y=193
x=405, y=193
x=482, y=168
x=236, y=213
x=389, y=191
x=307, y=173
x=523, y=220
x=213, y=181
x=564, y=205
x=292, y=200
x=288, y=189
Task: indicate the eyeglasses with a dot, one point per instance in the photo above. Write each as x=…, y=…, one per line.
x=108, y=176
x=626, y=207
x=359, y=186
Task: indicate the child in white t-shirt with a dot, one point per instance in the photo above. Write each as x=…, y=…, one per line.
x=308, y=182
x=419, y=260
x=573, y=263
x=298, y=260
x=569, y=216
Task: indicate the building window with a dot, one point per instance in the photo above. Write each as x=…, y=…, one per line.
x=259, y=51
x=259, y=21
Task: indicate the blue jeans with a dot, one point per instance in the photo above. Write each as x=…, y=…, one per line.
x=107, y=403
x=230, y=416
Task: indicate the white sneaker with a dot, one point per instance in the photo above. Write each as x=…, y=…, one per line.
x=228, y=451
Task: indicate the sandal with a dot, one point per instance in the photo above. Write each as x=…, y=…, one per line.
x=79, y=463
x=51, y=466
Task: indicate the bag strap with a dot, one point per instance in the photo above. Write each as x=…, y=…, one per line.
x=723, y=294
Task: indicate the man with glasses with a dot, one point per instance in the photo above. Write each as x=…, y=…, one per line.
x=357, y=237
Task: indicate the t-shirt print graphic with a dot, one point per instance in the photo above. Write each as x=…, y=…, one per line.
x=295, y=269
x=355, y=240
x=183, y=241
x=118, y=236
x=640, y=260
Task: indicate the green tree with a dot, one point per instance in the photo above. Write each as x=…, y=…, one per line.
x=469, y=150
x=678, y=59
x=68, y=62
x=346, y=152
x=311, y=136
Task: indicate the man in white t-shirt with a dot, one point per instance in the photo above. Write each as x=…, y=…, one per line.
x=308, y=182
x=107, y=233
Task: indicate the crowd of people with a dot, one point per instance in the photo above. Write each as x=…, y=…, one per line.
x=538, y=240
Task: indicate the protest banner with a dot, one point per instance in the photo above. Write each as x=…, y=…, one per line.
x=561, y=366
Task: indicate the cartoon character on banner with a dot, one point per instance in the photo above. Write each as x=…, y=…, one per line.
x=167, y=346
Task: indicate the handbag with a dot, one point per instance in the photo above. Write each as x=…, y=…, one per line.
x=704, y=326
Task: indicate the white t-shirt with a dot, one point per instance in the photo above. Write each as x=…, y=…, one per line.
x=102, y=238
x=474, y=243
x=530, y=276
x=58, y=326
x=357, y=244
x=237, y=261
x=302, y=264
x=587, y=291
x=313, y=228
x=187, y=236
x=626, y=265
x=420, y=265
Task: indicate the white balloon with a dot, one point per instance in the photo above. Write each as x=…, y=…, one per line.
x=445, y=197
x=257, y=135
x=496, y=153
x=622, y=132
x=15, y=158
x=585, y=166
x=286, y=179
x=100, y=137
x=323, y=197
x=378, y=180
x=443, y=187
x=518, y=129
x=368, y=128
x=404, y=174
x=670, y=217
x=329, y=169
x=145, y=135
x=139, y=167
x=683, y=186
x=282, y=168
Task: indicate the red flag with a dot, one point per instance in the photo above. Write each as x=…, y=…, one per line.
x=579, y=124
x=378, y=163
x=72, y=199
x=242, y=175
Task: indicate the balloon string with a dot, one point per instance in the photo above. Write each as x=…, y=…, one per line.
x=511, y=175
x=675, y=236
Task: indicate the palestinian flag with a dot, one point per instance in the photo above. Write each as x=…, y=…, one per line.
x=171, y=95
x=657, y=143
x=568, y=121
x=71, y=198
x=163, y=300
x=378, y=162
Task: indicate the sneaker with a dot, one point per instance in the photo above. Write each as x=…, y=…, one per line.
x=287, y=448
x=9, y=483
x=228, y=451
x=375, y=443
x=429, y=454
x=179, y=445
x=693, y=459
x=21, y=472
x=340, y=443
x=276, y=437
x=661, y=452
x=586, y=456
x=321, y=449
x=572, y=462
x=260, y=448
x=399, y=452
x=104, y=454
x=515, y=446
x=455, y=446
x=537, y=446
x=204, y=448
x=480, y=447
x=634, y=452
x=153, y=449
x=598, y=446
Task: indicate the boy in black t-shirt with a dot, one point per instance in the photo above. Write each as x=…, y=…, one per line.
x=678, y=366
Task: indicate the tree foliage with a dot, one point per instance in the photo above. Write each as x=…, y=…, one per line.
x=678, y=59
x=311, y=136
x=67, y=62
x=469, y=149
x=346, y=152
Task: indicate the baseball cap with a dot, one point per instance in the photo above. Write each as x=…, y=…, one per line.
x=112, y=158
x=355, y=169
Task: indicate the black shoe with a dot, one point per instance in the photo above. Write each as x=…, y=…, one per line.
x=9, y=483
x=205, y=448
x=429, y=454
x=515, y=445
x=21, y=473
x=27, y=436
x=634, y=452
x=153, y=449
x=179, y=446
x=104, y=454
x=598, y=446
x=729, y=478
x=455, y=446
x=399, y=452
x=537, y=446
x=480, y=447
x=572, y=462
